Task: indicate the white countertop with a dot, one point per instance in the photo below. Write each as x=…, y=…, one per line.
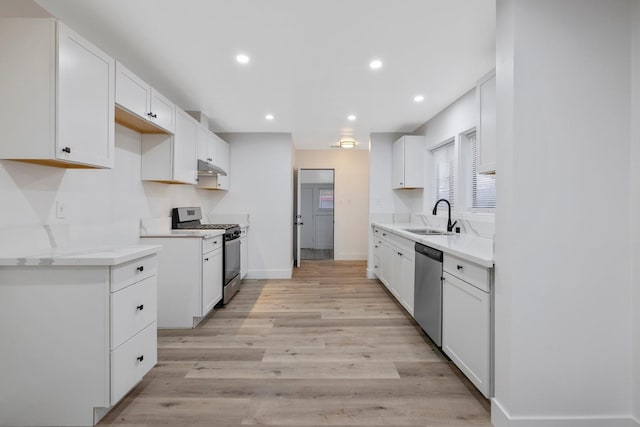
x=472, y=248
x=91, y=256
x=200, y=234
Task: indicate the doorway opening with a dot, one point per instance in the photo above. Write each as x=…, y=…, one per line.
x=315, y=214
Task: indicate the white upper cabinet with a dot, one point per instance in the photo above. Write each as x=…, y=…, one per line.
x=408, y=162
x=218, y=151
x=162, y=111
x=172, y=158
x=140, y=106
x=132, y=93
x=486, y=94
x=222, y=160
x=205, y=145
x=58, y=92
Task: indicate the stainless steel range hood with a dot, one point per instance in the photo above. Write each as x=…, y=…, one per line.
x=209, y=169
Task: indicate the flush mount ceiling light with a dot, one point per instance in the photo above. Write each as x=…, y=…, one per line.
x=347, y=142
x=269, y=117
x=418, y=98
x=351, y=117
x=375, y=64
x=242, y=58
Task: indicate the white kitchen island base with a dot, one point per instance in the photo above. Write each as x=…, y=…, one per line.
x=65, y=359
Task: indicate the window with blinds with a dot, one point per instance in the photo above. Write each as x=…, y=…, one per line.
x=483, y=187
x=444, y=172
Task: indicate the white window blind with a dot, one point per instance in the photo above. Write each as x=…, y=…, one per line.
x=444, y=172
x=483, y=186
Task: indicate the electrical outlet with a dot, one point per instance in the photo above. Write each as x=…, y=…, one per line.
x=60, y=210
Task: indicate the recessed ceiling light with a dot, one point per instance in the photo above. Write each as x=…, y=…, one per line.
x=351, y=117
x=375, y=64
x=269, y=117
x=242, y=58
x=418, y=98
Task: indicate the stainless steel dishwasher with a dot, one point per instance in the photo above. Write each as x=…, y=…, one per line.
x=427, y=308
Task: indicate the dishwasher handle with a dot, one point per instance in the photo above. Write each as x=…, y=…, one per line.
x=432, y=253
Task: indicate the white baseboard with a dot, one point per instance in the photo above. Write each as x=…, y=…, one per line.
x=371, y=274
x=269, y=274
x=501, y=418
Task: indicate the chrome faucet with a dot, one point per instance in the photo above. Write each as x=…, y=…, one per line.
x=435, y=212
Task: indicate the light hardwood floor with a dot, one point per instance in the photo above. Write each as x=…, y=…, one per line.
x=328, y=347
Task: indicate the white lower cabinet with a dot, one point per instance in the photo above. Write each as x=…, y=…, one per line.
x=466, y=325
x=189, y=279
x=78, y=339
x=394, y=264
x=211, y=279
x=244, y=252
x=466, y=303
x=386, y=265
x=407, y=281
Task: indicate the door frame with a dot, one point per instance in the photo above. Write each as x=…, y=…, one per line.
x=297, y=208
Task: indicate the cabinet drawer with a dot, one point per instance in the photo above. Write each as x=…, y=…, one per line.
x=132, y=309
x=470, y=272
x=383, y=234
x=131, y=272
x=406, y=246
x=213, y=243
x=132, y=361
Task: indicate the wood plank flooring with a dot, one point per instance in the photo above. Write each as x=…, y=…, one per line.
x=328, y=347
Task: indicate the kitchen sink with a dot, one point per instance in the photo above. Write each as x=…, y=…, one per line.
x=427, y=231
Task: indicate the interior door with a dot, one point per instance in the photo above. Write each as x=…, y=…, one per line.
x=297, y=225
x=307, y=230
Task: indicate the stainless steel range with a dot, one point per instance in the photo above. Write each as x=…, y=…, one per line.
x=190, y=219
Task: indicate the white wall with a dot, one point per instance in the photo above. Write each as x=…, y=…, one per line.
x=102, y=206
x=459, y=117
x=261, y=184
x=563, y=295
x=635, y=204
x=351, y=196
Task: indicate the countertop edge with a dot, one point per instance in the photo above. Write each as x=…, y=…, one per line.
x=432, y=242
x=87, y=257
x=183, y=235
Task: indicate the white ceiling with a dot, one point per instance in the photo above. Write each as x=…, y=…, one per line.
x=309, y=59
